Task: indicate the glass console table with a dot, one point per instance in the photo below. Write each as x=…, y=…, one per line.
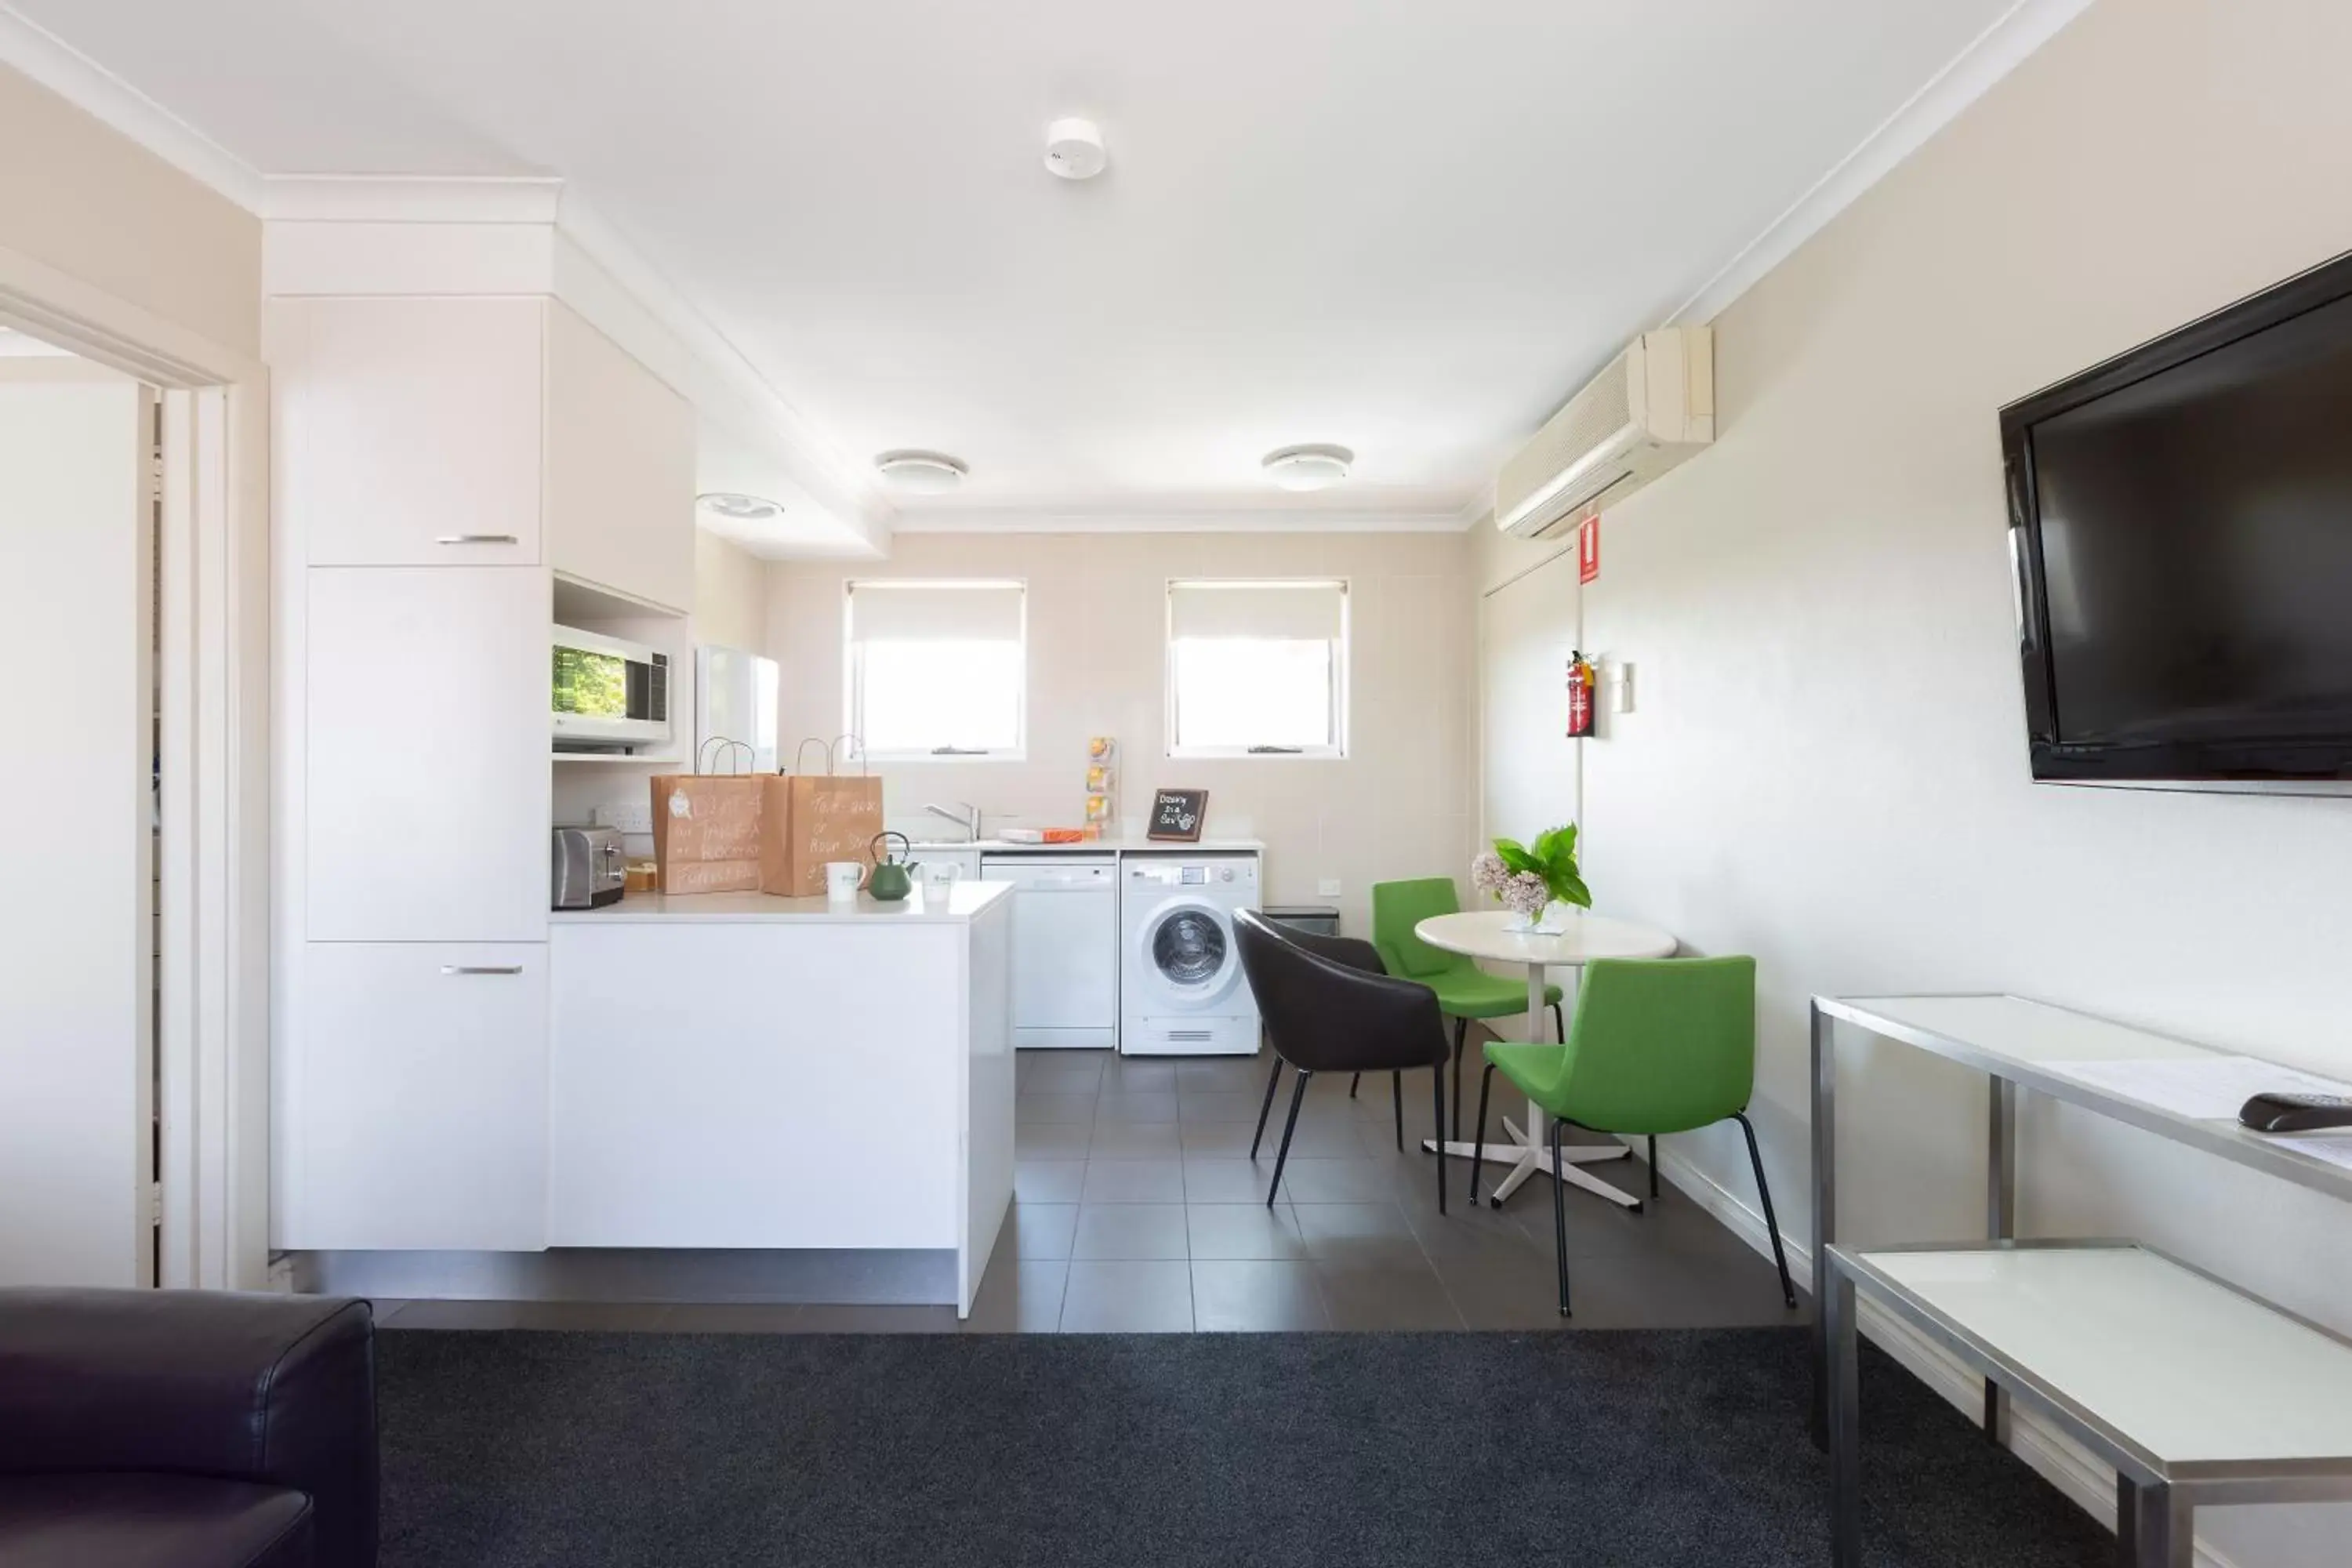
x=2020, y=1044
x=2195, y=1392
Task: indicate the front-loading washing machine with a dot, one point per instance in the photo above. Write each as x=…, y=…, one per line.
x=1181, y=991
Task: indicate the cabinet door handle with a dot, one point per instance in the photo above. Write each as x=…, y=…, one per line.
x=478, y=539
x=481, y=969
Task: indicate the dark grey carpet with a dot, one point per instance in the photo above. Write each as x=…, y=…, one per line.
x=1683, y=1450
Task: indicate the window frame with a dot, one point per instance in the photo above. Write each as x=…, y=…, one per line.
x=853, y=673
x=1336, y=750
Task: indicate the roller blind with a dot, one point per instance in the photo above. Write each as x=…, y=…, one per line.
x=1302, y=611
x=935, y=611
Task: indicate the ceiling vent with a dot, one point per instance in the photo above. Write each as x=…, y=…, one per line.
x=1652, y=408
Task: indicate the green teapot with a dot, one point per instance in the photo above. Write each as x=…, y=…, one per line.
x=894, y=875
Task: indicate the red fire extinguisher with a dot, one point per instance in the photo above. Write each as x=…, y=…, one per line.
x=1580, y=695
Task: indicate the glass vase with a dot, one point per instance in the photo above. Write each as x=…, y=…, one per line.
x=1551, y=921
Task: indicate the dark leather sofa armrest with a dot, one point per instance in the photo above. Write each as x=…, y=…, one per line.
x=278, y=1390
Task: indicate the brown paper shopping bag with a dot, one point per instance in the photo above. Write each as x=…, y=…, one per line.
x=707, y=829
x=827, y=816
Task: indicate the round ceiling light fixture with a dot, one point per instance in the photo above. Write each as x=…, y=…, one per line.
x=1311, y=468
x=740, y=507
x=1074, y=149
x=921, y=473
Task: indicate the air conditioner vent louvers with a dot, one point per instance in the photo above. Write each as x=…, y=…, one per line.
x=1648, y=411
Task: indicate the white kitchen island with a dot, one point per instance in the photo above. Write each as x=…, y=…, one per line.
x=730, y=1097
x=744, y=1071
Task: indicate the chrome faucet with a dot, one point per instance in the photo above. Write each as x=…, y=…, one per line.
x=964, y=816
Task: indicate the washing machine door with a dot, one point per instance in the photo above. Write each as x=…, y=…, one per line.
x=1186, y=952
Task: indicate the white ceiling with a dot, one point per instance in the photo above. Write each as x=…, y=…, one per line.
x=1412, y=228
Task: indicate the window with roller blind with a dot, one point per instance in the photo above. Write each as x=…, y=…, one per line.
x=1257, y=668
x=935, y=669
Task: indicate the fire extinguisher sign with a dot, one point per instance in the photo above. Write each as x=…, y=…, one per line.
x=1588, y=550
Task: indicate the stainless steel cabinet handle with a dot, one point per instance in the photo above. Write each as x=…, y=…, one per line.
x=478, y=539
x=481, y=969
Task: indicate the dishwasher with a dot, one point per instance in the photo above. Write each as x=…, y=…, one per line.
x=1064, y=948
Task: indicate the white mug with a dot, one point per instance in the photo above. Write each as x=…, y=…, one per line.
x=842, y=878
x=939, y=879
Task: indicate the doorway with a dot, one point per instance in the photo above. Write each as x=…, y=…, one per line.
x=138, y=958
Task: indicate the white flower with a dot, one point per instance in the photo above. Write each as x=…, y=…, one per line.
x=1526, y=894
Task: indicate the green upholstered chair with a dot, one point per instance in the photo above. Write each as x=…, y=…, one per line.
x=1464, y=990
x=1660, y=1045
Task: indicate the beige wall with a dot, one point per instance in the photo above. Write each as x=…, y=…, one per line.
x=1827, y=767
x=77, y=196
x=1399, y=806
x=731, y=594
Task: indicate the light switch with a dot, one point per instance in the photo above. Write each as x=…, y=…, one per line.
x=1328, y=888
x=1620, y=689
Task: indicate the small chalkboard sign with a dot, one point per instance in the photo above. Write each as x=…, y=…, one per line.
x=1177, y=814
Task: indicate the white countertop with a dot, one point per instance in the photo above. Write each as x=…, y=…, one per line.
x=964, y=901
x=1137, y=846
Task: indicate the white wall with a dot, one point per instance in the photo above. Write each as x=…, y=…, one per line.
x=1400, y=805
x=76, y=959
x=731, y=594
x=1827, y=763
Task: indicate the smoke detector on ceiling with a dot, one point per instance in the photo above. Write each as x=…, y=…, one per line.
x=1312, y=467
x=741, y=508
x=1074, y=149
x=921, y=473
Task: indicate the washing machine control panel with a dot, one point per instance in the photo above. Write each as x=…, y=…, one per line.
x=1237, y=873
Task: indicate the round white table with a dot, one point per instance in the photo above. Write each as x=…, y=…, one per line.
x=1486, y=933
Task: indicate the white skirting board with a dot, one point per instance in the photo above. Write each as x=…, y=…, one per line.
x=2056, y=1457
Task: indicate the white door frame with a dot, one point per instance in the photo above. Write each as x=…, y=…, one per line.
x=212, y=608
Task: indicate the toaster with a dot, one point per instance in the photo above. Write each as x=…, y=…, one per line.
x=587, y=869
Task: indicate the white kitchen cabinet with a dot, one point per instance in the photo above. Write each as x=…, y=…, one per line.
x=426, y=785
x=409, y=432
x=417, y=1098
x=620, y=468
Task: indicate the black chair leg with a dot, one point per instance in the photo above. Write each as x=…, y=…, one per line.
x=1354, y=1084
x=1288, y=1127
x=1396, y=1094
x=1273, y=1082
x=1653, y=1164
x=1479, y=1135
x=1771, y=1224
x=1461, y=1040
x=1437, y=1085
x=1559, y=1025
x=1560, y=1218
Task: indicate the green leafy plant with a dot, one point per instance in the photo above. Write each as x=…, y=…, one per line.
x=1549, y=861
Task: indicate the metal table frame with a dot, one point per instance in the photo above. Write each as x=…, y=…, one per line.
x=2008, y=1077
x=2155, y=1499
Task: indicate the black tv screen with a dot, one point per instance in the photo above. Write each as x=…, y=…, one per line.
x=2181, y=522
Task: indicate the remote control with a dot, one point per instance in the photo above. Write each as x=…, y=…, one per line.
x=2295, y=1112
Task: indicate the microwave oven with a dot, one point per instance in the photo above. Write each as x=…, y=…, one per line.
x=608, y=695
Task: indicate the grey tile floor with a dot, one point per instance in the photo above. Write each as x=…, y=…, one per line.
x=1137, y=1208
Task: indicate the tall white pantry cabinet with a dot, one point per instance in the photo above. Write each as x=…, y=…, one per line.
x=438, y=462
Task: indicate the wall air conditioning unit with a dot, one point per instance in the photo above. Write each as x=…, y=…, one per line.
x=1652, y=408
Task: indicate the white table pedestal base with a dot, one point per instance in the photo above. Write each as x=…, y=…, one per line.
x=1520, y=1158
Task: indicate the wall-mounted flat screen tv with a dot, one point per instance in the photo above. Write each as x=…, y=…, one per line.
x=2180, y=524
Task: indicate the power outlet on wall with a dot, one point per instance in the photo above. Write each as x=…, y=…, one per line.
x=629, y=816
x=1328, y=888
